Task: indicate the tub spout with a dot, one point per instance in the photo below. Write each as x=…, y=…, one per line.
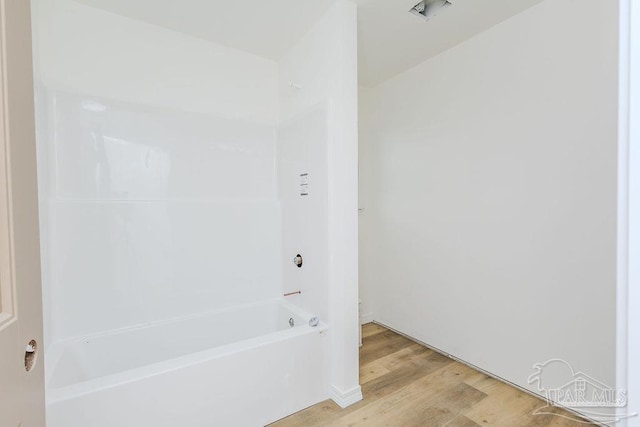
x=292, y=293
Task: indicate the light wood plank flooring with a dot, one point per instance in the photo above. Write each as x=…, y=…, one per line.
x=405, y=384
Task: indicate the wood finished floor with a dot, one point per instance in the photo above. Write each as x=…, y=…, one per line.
x=406, y=384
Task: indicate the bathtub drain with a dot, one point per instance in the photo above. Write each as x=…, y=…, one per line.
x=291, y=322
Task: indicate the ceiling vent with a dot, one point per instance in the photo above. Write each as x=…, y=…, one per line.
x=427, y=9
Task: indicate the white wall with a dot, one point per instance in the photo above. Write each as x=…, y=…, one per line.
x=489, y=187
x=157, y=172
x=366, y=199
x=324, y=64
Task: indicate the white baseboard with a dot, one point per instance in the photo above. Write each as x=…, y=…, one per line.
x=366, y=318
x=346, y=398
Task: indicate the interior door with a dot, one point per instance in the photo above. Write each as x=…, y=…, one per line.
x=21, y=361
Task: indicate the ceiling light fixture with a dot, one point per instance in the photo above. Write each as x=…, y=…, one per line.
x=427, y=9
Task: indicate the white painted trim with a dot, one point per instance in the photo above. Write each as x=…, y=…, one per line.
x=623, y=202
x=366, y=318
x=345, y=398
x=629, y=335
x=21, y=311
x=7, y=269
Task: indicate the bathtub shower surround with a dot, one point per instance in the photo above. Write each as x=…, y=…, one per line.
x=156, y=166
x=302, y=149
x=169, y=171
x=157, y=214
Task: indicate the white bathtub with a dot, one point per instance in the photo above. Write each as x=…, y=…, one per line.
x=237, y=367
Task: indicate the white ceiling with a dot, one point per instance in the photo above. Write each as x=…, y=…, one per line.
x=391, y=39
x=265, y=27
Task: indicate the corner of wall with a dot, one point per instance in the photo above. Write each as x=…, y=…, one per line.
x=347, y=398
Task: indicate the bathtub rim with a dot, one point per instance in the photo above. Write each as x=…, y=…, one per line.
x=59, y=394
